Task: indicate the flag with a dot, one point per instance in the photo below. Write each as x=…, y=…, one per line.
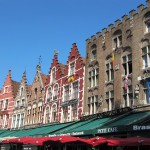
x=148, y=89
x=113, y=58
x=126, y=83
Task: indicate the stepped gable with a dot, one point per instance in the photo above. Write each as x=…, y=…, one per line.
x=74, y=54
x=59, y=66
x=9, y=82
x=127, y=20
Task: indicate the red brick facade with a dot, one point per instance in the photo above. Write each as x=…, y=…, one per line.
x=7, y=96
x=64, y=89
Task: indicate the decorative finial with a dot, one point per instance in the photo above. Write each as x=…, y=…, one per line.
x=56, y=52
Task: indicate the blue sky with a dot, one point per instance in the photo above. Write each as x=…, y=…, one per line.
x=33, y=28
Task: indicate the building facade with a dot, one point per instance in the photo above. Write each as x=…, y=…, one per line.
x=118, y=64
x=53, y=92
x=73, y=87
x=34, y=111
x=64, y=89
x=7, y=96
x=21, y=103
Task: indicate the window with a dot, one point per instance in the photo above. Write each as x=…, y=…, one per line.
x=21, y=91
x=49, y=94
x=147, y=21
x=18, y=120
x=28, y=115
x=72, y=68
x=93, y=77
x=17, y=104
x=127, y=64
x=47, y=117
x=22, y=120
x=94, y=54
x=147, y=91
x=147, y=26
x=146, y=56
x=40, y=114
x=109, y=72
x=74, y=111
x=110, y=100
x=14, y=122
x=117, y=41
x=93, y=104
x=55, y=92
x=65, y=113
x=75, y=90
x=53, y=75
x=5, y=89
x=23, y=102
x=128, y=95
x=66, y=93
x=6, y=104
x=35, y=93
x=54, y=110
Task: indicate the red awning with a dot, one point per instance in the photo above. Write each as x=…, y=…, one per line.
x=37, y=141
x=97, y=141
x=18, y=140
x=130, y=141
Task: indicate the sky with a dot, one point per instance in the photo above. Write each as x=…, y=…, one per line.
x=33, y=29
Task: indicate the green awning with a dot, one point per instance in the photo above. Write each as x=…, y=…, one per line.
x=41, y=130
x=73, y=126
x=82, y=127
x=119, y=124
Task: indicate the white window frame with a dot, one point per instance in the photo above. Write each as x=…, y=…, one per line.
x=146, y=55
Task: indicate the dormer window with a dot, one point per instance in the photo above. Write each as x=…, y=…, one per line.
x=72, y=68
x=117, y=39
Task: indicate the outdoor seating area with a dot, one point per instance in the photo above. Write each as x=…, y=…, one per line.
x=75, y=143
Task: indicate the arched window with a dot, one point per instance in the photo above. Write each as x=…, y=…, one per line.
x=53, y=75
x=94, y=51
x=21, y=91
x=117, y=39
x=147, y=22
x=49, y=94
x=47, y=115
x=54, y=112
x=35, y=93
x=55, y=92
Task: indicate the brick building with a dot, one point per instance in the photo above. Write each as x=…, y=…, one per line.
x=53, y=92
x=64, y=89
x=7, y=96
x=73, y=87
x=21, y=103
x=34, y=111
x=118, y=64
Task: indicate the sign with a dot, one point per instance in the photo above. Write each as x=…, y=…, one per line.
x=108, y=130
x=140, y=128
